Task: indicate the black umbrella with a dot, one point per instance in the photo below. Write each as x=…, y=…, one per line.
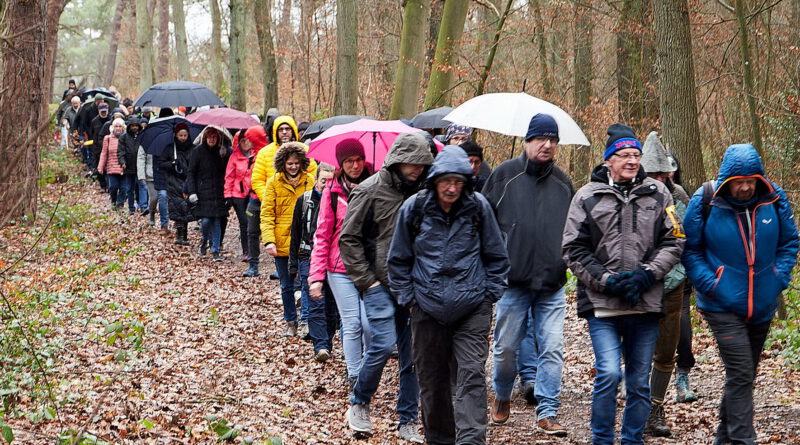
x=432, y=118
x=319, y=127
x=102, y=91
x=160, y=131
x=178, y=93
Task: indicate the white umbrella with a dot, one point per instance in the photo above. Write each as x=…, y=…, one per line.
x=510, y=113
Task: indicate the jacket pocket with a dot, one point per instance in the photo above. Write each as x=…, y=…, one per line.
x=719, y=273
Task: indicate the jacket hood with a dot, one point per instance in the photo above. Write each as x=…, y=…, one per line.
x=655, y=158
x=224, y=134
x=740, y=160
x=257, y=135
x=409, y=148
x=452, y=159
x=280, y=120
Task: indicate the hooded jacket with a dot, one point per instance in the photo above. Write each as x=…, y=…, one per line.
x=372, y=210
x=731, y=272
x=607, y=233
x=531, y=202
x=174, y=163
x=206, y=176
x=240, y=166
x=129, y=147
x=457, y=260
x=264, y=168
x=326, y=256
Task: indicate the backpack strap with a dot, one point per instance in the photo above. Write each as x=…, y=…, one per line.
x=418, y=213
x=708, y=194
x=334, y=204
x=306, y=200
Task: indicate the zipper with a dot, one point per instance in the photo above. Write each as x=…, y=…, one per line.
x=718, y=273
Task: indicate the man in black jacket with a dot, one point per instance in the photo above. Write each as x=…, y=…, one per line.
x=531, y=198
x=127, y=151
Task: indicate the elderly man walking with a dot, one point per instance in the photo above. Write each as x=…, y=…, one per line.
x=741, y=247
x=448, y=264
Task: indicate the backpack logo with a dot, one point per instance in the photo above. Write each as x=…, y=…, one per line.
x=766, y=221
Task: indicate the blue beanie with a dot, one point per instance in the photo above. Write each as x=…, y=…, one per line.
x=620, y=136
x=542, y=125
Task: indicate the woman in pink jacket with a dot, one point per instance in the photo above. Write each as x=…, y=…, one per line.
x=109, y=164
x=237, y=176
x=326, y=260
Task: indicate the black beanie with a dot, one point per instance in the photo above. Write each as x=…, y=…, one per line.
x=472, y=149
x=620, y=136
x=542, y=125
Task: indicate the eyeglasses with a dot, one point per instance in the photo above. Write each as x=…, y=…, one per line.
x=627, y=156
x=452, y=182
x=285, y=129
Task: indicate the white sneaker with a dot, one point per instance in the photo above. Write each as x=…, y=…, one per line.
x=410, y=433
x=358, y=418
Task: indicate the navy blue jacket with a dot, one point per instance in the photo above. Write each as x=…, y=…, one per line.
x=456, y=261
x=732, y=274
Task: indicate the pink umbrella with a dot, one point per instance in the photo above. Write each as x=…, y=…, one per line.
x=223, y=117
x=376, y=136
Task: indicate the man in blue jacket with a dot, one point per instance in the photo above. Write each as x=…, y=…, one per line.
x=741, y=246
x=448, y=264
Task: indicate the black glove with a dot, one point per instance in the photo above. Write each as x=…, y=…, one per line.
x=637, y=283
x=614, y=284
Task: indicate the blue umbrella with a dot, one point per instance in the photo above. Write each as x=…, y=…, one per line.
x=159, y=133
x=178, y=93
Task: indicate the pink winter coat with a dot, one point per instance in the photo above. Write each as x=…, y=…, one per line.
x=325, y=257
x=238, y=172
x=109, y=162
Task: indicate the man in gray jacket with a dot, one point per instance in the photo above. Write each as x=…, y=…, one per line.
x=447, y=263
x=364, y=243
x=531, y=197
x=622, y=237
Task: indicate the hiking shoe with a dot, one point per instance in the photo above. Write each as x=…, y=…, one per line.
x=528, y=392
x=217, y=257
x=683, y=389
x=322, y=356
x=410, y=432
x=656, y=425
x=252, y=271
x=303, y=331
x=274, y=276
x=291, y=329
x=146, y=212
x=358, y=418
x=203, y=248
x=501, y=410
x=550, y=426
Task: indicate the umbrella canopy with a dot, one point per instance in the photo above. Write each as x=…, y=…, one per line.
x=160, y=132
x=432, y=118
x=109, y=98
x=223, y=117
x=318, y=127
x=510, y=113
x=376, y=137
x=178, y=93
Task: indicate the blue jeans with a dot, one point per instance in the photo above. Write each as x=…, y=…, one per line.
x=212, y=231
x=355, y=327
x=526, y=357
x=301, y=283
x=163, y=207
x=127, y=191
x=115, y=190
x=632, y=337
x=323, y=318
x=389, y=325
x=143, y=195
x=287, y=288
x=511, y=327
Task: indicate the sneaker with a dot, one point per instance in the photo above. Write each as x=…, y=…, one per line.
x=291, y=329
x=322, y=356
x=410, y=432
x=550, y=426
x=217, y=257
x=656, y=425
x=145, y=212
x=252, y=271
x=528, y=392
x=683, y=389
x=501, y=410
x=303, y=331
x=358, y=418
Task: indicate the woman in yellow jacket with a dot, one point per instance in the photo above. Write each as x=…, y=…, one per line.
x=290, y=181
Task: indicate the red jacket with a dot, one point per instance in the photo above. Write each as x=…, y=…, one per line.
x=240, y=167
x=326, y=256
x=109, y=162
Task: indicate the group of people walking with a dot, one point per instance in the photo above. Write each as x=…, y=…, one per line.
x=414, y=256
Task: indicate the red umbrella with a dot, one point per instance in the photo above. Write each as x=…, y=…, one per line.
x=223, y=117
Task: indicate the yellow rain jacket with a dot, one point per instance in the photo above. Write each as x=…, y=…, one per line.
x=277, y=208
x=264, y=167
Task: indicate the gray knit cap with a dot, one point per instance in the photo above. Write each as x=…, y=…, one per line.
x=655, y=158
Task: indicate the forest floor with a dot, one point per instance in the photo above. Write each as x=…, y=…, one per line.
x=143, y=341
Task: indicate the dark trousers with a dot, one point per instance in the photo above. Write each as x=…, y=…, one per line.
x=447, y=419
x=253, y=213
x=240, y=207
x=685, y=360
x=669, y=331
x=740, y=346
x=323, y=317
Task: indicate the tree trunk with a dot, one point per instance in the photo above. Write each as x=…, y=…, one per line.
x=346, y=99
x=540, y=40
x=487, y=67
x=447, y=46
x=111, y=58
x=181, y=47
x=144, y=39
x=434, y=22
x=582, y=91
x=630, y=77
x=236, y=38
x=269, y=71
x=24, y=56
x=677, y=98
x=410, y=63
x=216, y=48
x=162, y=65
x=749, y=84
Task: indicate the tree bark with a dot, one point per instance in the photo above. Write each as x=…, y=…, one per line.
x=269, y=71
x=747, y=71
x=487, y=67
x=216, y=48
x=346, y=99
x=236, y=38
x=540, y=40
x=447, y=46
x=162, y=65
x=434, y=22
x=144, y=39
x=631, y=92
x=113, y=45
x=181, y=47
x=582, y=92
x=410, y=63
x=677, y=98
